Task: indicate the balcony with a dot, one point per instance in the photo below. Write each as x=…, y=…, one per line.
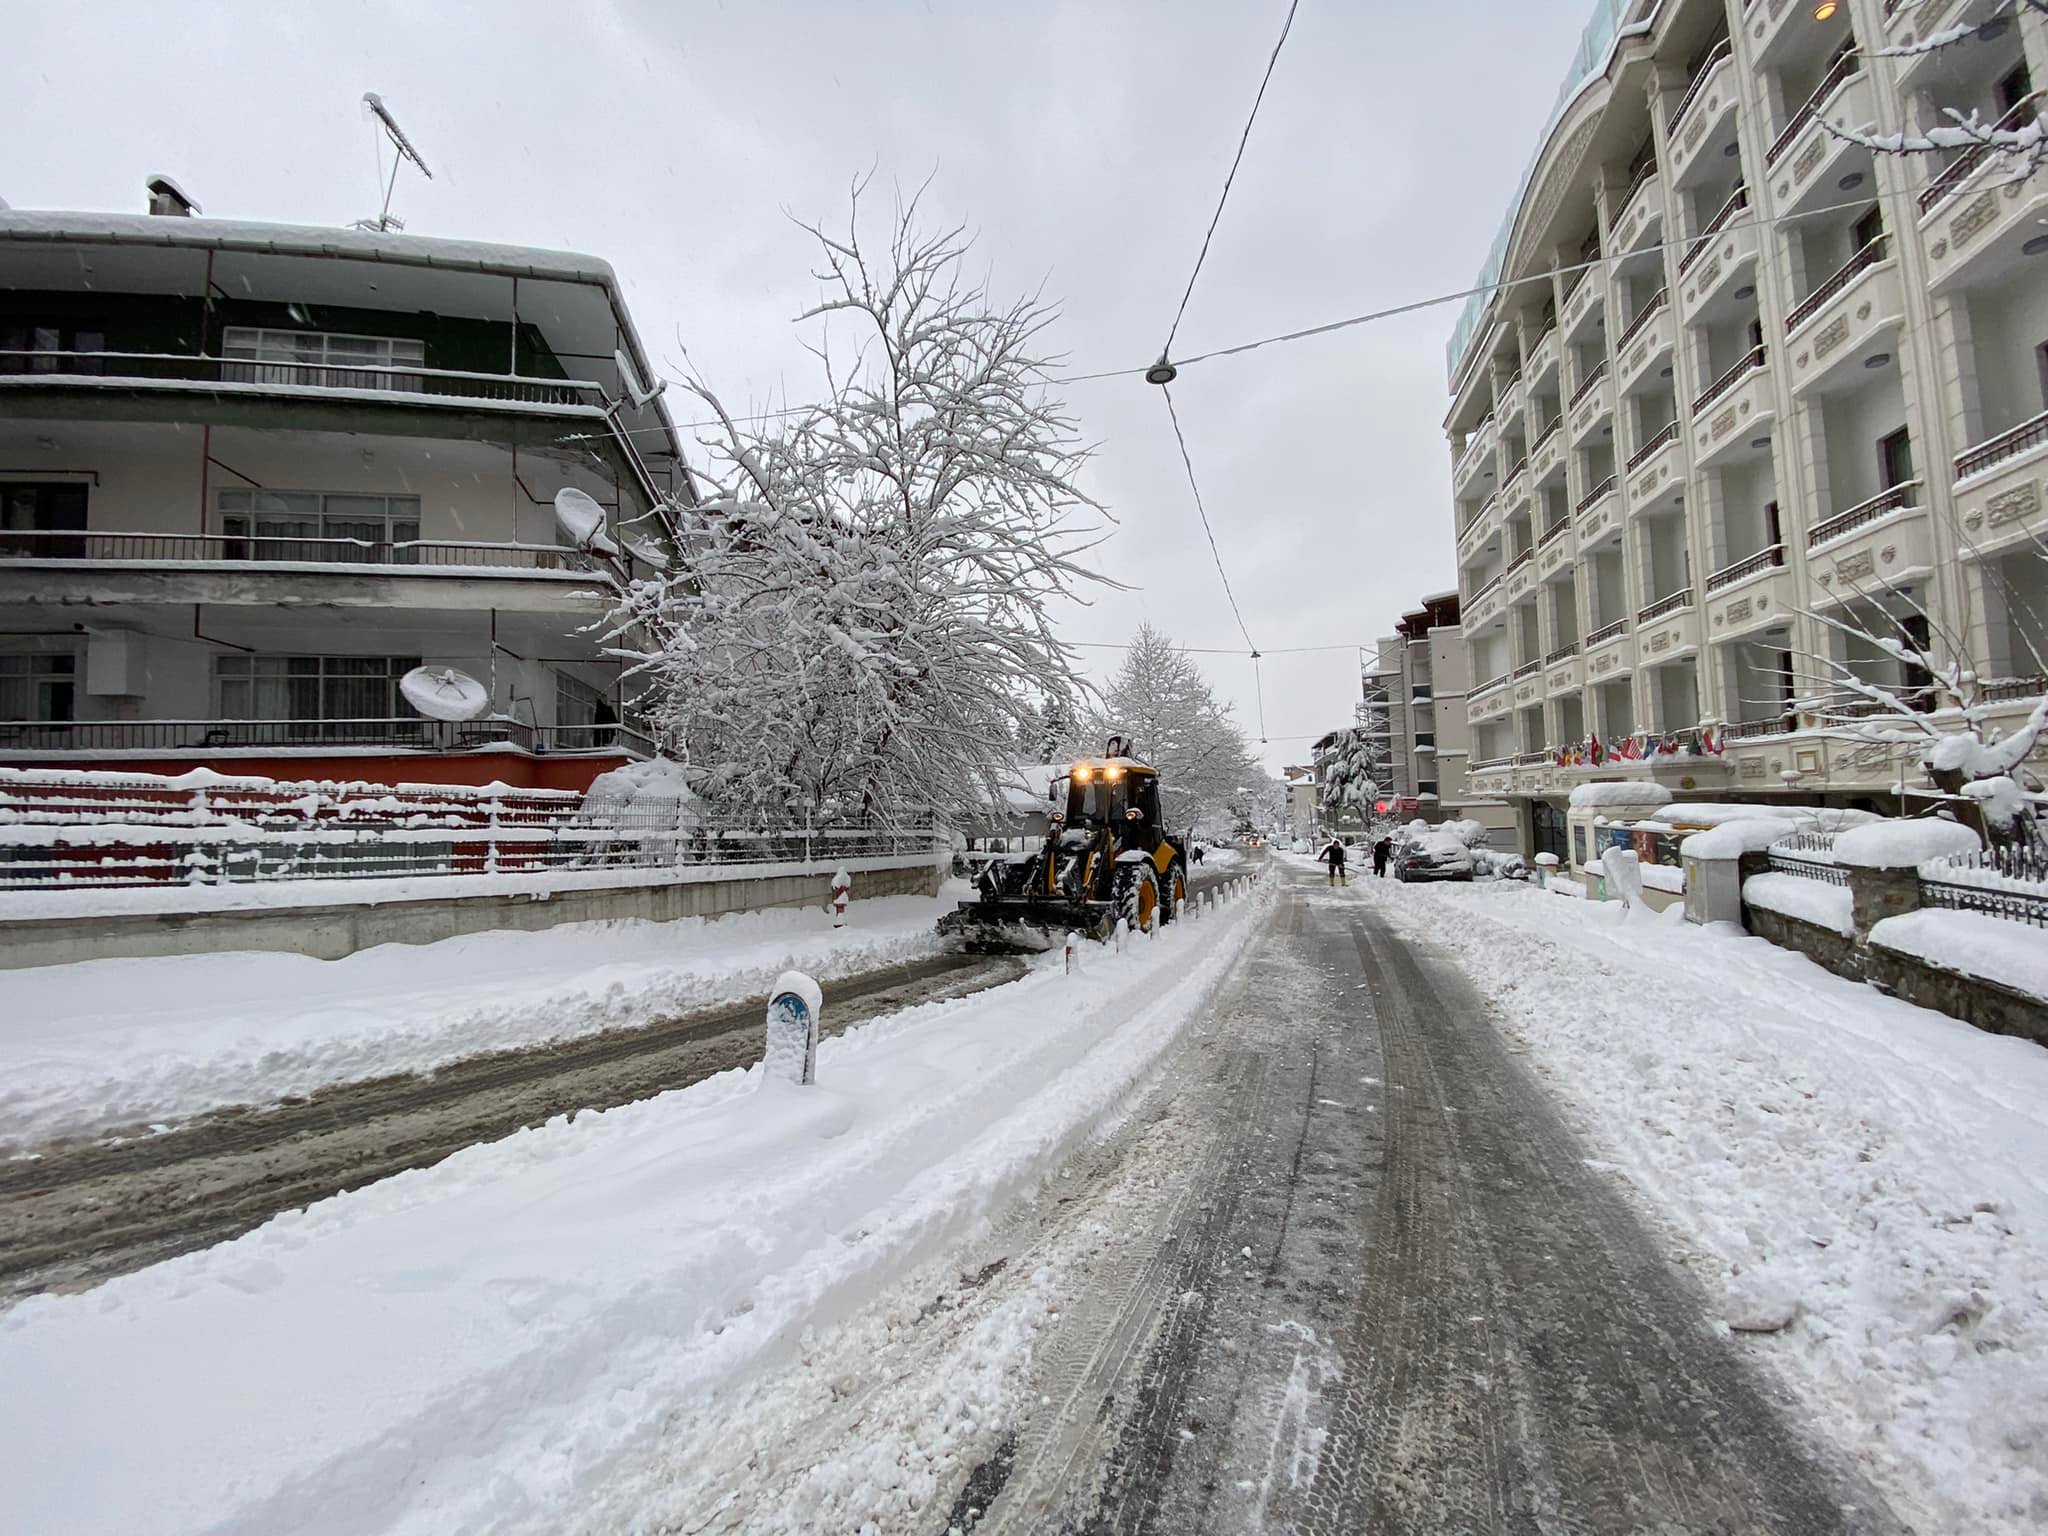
x=1541, y=363
x=1546, y=454
x=407, y=400
x=1608, y=652
x=1699, y=126
x=1905, y=24
x=1667, y=629
x=110, y=567
x=1515, y=488
x=1555, y=548
x=1642, y=212
x=1977, y=217
x=1521, y=576
x=1880, y=543
x=1591, y=404
x=1727, y=263
x=1478, y=450
x=1484, y=603
x=1655, y=467
x=1508, y=403
x=1585, y=301
x=34, y=740
x=1595, y=514
x=1843, y=100
x=1730, y=212
x=1729, y=416
x=1563, y=671
x=1528, y=683
x=1648, y=339
x=1998, y=494
x=1852, y=318
x=1739, y=594
x=1661, y=607
x=1750, y=565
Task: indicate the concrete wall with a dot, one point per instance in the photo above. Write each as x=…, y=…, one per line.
x=330, y=932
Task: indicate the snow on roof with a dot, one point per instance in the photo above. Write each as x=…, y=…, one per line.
x=1905, y=844
x=305, y=240
x=1620, y=792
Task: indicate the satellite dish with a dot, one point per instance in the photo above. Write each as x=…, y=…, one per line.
x=442, y=693
x=582, y=519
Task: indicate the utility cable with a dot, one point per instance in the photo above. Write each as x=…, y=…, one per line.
x=1189, y=464
x=1236, y=161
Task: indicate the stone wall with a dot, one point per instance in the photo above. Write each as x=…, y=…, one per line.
x=1969, y=998
x=1823, y=946
x=340, y=928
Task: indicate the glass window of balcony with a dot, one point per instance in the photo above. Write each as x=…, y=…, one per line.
x=362, y=690
x=34, y=515
x=316, y=525
x=40, y=688
x=321, y=359
x=53, y=348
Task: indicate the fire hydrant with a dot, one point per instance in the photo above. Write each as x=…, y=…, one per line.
x=842, y=884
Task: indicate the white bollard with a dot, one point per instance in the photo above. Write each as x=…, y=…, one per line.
x=842, y=885
x=790, y=1052
x=1072, y=939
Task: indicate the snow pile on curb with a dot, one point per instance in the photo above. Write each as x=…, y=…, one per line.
x=457, y=1348
x=1872, y=1174
x=105, y=1044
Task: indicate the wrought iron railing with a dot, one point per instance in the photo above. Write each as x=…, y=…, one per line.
x=1809, y=855
x=1777, y=725
x=1722, y=52
x=1521, y=559
x=1665, y=436
x=1752, y=360
x=1951, y=177
x=39, y=366
x=1604, y=488
x=1528, y=668
x=2009, y=882
x=261, y=548
x=1846, y=68
x=2007, y=689
x=1554, y=532
x=1905, y=494
x=1652, y=307
x=1563, y=653
x=1606, y=632
x=1682, y=598
x=1589, y=383
x=1738, y=200
x=1866, y=258
x=2009, y=444
x=1762, y=560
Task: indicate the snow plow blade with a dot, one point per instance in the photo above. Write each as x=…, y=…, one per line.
x=1001, y=927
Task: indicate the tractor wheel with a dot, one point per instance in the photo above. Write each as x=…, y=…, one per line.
x=1176, y=890
x=1137, y=887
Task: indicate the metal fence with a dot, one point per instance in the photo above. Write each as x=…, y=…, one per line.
x=1809, y=855
x=60, y=831
x=2011, y=883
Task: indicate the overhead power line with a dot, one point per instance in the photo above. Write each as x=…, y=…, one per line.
x=1236, y=160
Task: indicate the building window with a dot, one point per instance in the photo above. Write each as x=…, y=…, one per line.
x=312, y=688
x=30, y=512
x=1866, y=229
x=284, y=525
x=581, y=712
x=51, y=349
x=321, y=358
x=1895, y=458
x=38, y=687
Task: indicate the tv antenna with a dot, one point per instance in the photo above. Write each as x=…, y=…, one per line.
x=404, y=152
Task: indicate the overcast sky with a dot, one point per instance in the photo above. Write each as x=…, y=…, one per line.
x=1085, y=144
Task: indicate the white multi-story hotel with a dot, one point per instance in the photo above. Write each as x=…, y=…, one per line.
x=1778, y=380
x=250, y=475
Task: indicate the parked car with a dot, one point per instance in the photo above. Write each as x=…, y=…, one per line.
x=1432, y=856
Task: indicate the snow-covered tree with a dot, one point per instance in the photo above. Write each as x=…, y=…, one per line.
x=1348, y=778
x=1159, y=701
x=857, y=616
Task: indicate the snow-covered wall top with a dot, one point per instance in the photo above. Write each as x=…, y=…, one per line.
x=1904, y=844
x=1621, y=792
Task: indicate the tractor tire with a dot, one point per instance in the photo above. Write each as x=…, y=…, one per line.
x=1137, y=897
x=1176, y=892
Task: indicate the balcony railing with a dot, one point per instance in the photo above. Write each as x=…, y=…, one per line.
x=1532, y=759
x=1682, y=598
x=1486, y=586
x=1906, y=494
x=2009, y=689
x=2009, y=444
x=1490, y=684
x=1644, y=316
x=1520, y=560
x=1666, y=435
x=1606, y=632
x=1546, y=434
x=261, y=549
x=1603, y=488
x=1776, y=725
x=1588, y=384
x=1528, y=668
x=1564, y=652
x=1738, y=201
x=1847, y=67
x=1723, y=51
x=1752, y=360
x=1762, y=560
x=1640, y=180
x=1835, y=286
x=37, y=366
x=409, y=733
x=1951, y=176
x=1554, y=532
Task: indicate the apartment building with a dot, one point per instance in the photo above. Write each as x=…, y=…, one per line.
x=1779, y=389
x=251, y=475
x=1418, y=685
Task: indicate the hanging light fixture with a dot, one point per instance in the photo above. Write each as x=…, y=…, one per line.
x=1825, y=11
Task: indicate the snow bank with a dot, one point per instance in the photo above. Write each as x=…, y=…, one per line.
x=1904, y=844
x=1881, y=1167
x=1662, y=877
x=460, y=1347
x=1622, y=792
x=1810, y=901
x=1997, y=949
x=1732, y=839
x=102, y=1044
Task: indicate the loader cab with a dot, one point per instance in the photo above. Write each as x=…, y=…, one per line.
x=1104, y=792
